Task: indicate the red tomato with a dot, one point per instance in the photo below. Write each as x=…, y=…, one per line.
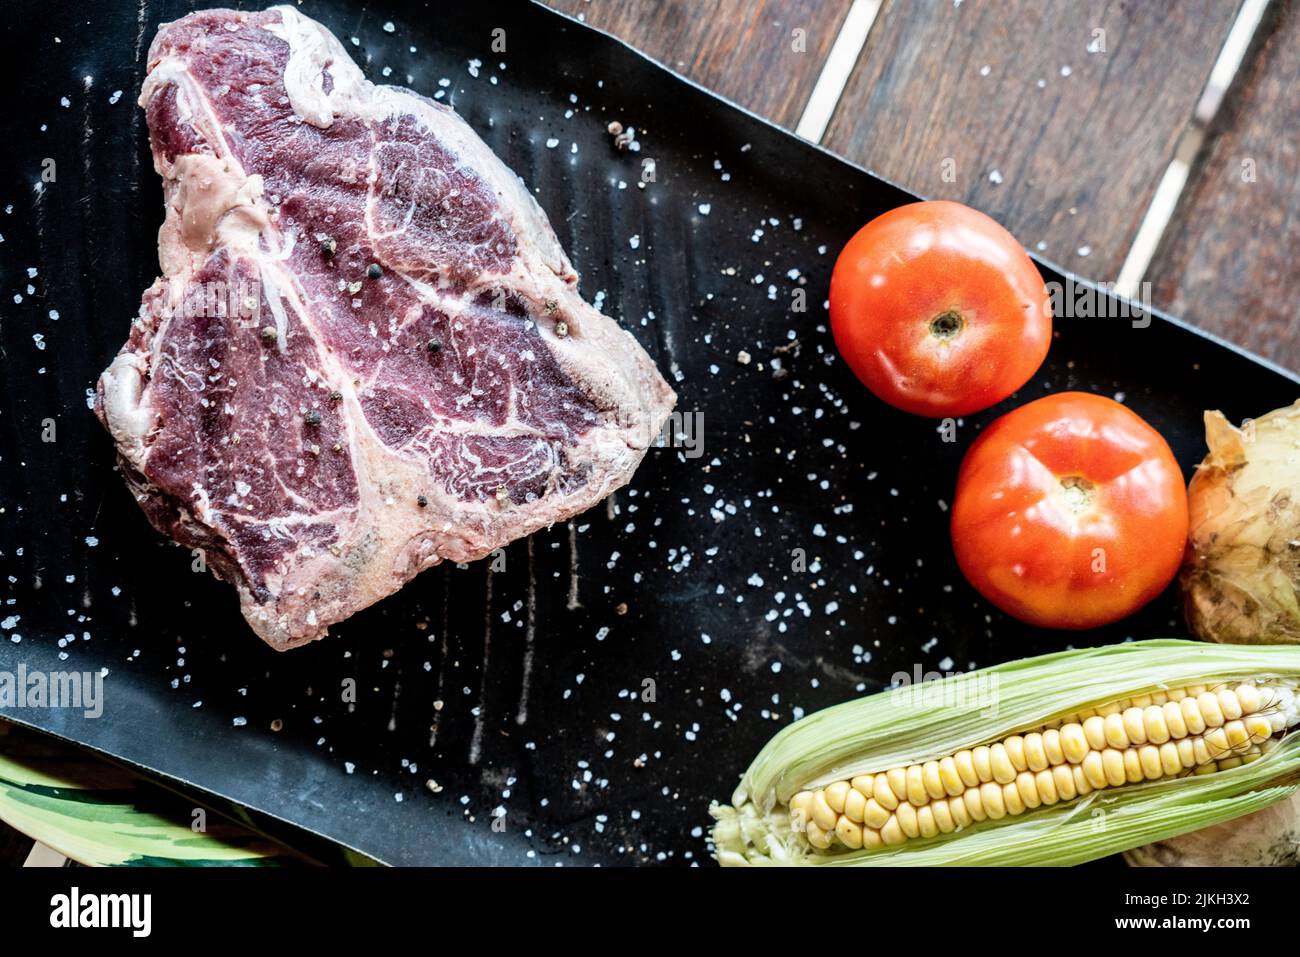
x=938, y=310
x=1070, y=512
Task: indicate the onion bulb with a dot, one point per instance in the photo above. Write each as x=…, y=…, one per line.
x=1241, y=574
x=1264, y=838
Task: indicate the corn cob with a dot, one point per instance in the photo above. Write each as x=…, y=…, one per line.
x=1069, y=757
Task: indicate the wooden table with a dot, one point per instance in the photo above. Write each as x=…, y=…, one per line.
x=1152, y=142
x=1072, y=122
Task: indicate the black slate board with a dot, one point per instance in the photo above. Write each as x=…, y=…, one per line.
x=522, y=688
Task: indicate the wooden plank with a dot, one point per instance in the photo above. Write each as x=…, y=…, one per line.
x=1023, y=109
x=42, y=856
x=1228, y=260
x=747, y=50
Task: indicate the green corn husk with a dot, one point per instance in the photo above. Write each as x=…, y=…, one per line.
x=893, y=728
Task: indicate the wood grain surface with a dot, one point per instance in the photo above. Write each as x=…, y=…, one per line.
x=1231, y=256
x=747, y=50
x=1057, y=130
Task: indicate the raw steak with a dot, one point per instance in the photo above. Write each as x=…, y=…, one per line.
x=366, y=353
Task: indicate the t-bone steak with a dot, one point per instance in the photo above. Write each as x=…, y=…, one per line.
x=366, y=353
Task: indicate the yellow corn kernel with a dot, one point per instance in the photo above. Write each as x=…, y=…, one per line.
x=1169, y=759
x=1027, y=787
x=1153, y=719
x=1045, y=783
x=950, y=776
x=1174, y=720
x=1011, y=799
x=883, y=794
x=1135, y=728
x=817, y=837
x=1015, y=746
x=966, y=768
x=906, y=818
x=915, y=786
x=1035, y=753
x=943, y=819
x=855, y=806
x=1112, y=764
x=1052, y=746
x=926, y=822
x=1073, y=743
x=960, y=813
x=1132, y=766
x=1210, y=710
x=1116, y=736
x=850, y=834
x=1152, y=768
x=1094, y=770
x=897, y=779
x=1063, y=778
x=1191, y=710
x=1229, y=704
x=835, y=795
x=822, y=813
x=1094, y=730
x=874, y=815
x=934, y=787
x=1003, y=771
x=991, y=797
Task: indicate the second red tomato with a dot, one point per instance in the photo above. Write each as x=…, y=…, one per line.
x=938, y=310
x=1070, y=512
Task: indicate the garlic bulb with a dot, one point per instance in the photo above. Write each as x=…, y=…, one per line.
x=1241, y=575
x=1266, y=838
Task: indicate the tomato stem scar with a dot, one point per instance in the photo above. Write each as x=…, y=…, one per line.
x=1078, y=492
x=947, y=325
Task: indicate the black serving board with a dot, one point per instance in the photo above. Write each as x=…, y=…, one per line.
x=621, y=670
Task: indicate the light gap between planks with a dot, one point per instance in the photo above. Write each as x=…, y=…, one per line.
x=837, y=69
x=852, y=38
x=1164, y=201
